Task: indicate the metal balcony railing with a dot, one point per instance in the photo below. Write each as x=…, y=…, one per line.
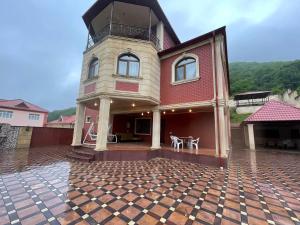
x=123, y=31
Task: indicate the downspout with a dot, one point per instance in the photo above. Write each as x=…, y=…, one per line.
x=217, y=100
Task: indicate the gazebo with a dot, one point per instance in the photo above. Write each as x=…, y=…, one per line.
x=255, y=98
x=276, y=124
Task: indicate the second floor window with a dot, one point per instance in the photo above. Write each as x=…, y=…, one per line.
x=94, y=68
x=34, y=116
x=185, y=69
x=6, y=114
x=128, y=65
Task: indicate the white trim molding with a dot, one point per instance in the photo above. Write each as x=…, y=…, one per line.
x=178, y=59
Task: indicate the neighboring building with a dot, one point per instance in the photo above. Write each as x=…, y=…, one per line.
x=275, y=125
x=63, y=122
x=21, y=113
x=143, y=81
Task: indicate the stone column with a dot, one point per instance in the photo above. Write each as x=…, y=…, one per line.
x=156, y=130
x=79, y=122
x=102, y=132
x=251, y=136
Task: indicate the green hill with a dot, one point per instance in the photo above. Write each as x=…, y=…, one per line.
x=54, y=115
x=274, y=76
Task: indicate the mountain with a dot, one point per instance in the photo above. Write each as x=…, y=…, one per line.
x=65, y=112
x=274, y=76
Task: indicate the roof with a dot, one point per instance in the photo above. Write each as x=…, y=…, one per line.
x=65, y=120
x=274, y=111
x=252, y=95
x=221, y=30
x=99, y=5
x=20, y=104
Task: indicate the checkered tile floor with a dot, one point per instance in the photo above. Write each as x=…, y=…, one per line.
x=41, y=186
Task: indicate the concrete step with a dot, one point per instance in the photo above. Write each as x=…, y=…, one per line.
x=73, y=155
x=84, y=152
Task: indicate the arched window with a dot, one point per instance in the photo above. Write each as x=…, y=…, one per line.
x=94, y=68
x=186, y=69
x=128, y=65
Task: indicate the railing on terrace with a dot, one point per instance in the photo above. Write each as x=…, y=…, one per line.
x=123, y=31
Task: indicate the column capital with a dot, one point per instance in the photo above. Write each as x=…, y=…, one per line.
x=104, y=97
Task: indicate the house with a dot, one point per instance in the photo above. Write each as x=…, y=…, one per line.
x=22, y=113
x=63, y=122
x=146, y=85
x=274, y=125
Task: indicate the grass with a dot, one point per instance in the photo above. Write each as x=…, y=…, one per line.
x=238, y=118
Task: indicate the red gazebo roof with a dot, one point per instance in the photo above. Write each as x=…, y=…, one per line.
x=274, y=111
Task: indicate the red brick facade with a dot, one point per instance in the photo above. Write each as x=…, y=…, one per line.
x=89, y=88
x=190, y=124
x=168, y=42
x=200, y=90
x=126, y=86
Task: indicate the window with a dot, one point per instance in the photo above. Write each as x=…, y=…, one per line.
x=88, y=119
x=34, y=116
x=94, y=68
x=6, y=114
x=142, y=126
x=128, y=65
x=186, y=69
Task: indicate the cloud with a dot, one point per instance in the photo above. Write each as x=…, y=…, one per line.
x=206, y=15
x=41, y=42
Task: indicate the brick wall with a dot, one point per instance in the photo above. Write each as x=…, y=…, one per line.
x=127, y=86
x=168, y=42
x=191, y=124
x=200, y=90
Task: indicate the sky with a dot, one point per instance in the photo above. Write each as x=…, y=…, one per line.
x=41, y=42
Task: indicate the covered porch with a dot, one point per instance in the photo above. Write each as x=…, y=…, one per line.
x=141, y=127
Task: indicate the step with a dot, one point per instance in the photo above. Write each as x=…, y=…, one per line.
x=83, y=152
x=73, y=155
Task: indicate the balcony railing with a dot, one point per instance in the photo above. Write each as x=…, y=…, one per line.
x=123, y=31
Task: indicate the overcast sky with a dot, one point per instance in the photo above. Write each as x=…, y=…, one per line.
x=41, y=42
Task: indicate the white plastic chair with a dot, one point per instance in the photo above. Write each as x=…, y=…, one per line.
x=195, y=143
x=172, y=140
x=177, y=143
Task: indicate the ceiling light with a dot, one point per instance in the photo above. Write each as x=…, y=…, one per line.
x=111, y=101
x=190, y=110
x=95, y=104
x=173, y=110
x=148, y=112
x=164, y=112
x=133, y=105
x=142, y=114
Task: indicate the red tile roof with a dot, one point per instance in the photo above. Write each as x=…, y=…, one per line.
x=20, y=104
x=275, y=111
x=65, y=120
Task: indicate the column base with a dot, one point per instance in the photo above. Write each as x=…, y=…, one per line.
x=100, y=150
x=155, y=148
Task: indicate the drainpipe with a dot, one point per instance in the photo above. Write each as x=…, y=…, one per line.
x=217, y=100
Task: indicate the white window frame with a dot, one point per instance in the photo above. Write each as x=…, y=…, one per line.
x=34, y=116
x=6, y=114
x=86, y=119
x=177, y=60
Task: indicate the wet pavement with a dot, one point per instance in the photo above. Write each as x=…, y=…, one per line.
x=41, y=186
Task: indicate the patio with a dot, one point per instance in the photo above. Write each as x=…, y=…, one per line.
x=41, y=186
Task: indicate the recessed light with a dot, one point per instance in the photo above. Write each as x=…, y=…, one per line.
x=148, y=112
x=95, y=104
x=164, y=112
x=142, y=114
x=133, y=105
x=190, y=110
x=173, y=110
x=111, y=101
